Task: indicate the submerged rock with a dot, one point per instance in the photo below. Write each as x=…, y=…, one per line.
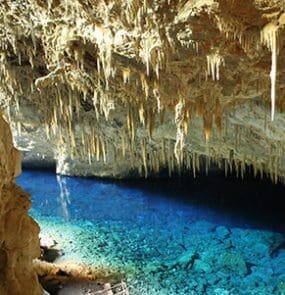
x=281, y=288
x=233, y=262
x=201, y=265
x=46, y=241
x=222, y=232
x=186, y=260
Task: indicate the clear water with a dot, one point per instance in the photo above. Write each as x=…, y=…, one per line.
x=178, y=237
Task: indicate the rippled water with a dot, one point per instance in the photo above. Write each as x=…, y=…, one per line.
x=209, y=236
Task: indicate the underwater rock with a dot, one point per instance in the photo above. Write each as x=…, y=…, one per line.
x=233, y=262
x=186, y=260
x=222, y=232
x=49, y=252
x=262, y=272
x=279, y=265
x=200, y=265
x=46, y=241
x=281, y=288
x=220, y=291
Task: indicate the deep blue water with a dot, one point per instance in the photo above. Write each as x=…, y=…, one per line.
x=210, y=236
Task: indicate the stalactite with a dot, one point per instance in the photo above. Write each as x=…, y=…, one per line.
x=123, y=138
x=55, y=121
x=169, y=154
x=187, y=162
x=197, y=161
x=208, y=122
x=172, y=161
x=143, y=152
x=145, y=85
x=70, y=104
x=261, y=172
x=89, y=156
x=17, y=103
x=92, y=141
x=236, y=165
x=242, y=167
x=214, y=61
x=157, y=96
x=226, y=167
x=193, y=165
x=220, y=166
x=142, y=114
x=150, y=121
x=132, y=158
x=47, y=130
x=207, y=165
x=95, y=102
x=163, y=152
x=268, y=36
x=133, y=127
x=180, y=136
x=155, y=160
x=237, y=135
x=162, y=116
x=129, y=121
x=19, y=128
x=231, y=160
x=104, y=151
x=97, y=149
x=126, y=75
x=275, y=169
x=83, y=136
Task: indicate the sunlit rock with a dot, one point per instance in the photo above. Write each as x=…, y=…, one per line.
x=19, y=242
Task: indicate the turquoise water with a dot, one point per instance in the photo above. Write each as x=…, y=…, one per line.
x=179, y=237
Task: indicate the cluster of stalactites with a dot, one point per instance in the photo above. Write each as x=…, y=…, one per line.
x=58, y=41
x=214, y=61
x=150, y=158
x=268, y=37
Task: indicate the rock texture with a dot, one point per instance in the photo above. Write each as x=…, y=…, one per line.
x=19, y=242
x=112, y=88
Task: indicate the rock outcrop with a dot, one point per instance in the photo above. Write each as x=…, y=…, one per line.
x=19, y=241
x=111, y=88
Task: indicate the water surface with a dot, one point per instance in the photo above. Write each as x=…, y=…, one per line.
x=205, y=236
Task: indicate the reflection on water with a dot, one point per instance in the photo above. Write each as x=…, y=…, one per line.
x=64, y=196
x=209, y=236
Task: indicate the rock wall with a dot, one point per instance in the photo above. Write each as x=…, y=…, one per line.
x=19, y=241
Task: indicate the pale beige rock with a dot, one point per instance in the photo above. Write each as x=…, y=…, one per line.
x=19, y=242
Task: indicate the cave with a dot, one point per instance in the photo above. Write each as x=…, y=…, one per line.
x=142, y=147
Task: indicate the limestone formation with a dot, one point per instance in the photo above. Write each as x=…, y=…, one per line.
x=112, y=88
x=19, y=242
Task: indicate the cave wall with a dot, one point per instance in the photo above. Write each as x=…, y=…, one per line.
x=19, y=241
